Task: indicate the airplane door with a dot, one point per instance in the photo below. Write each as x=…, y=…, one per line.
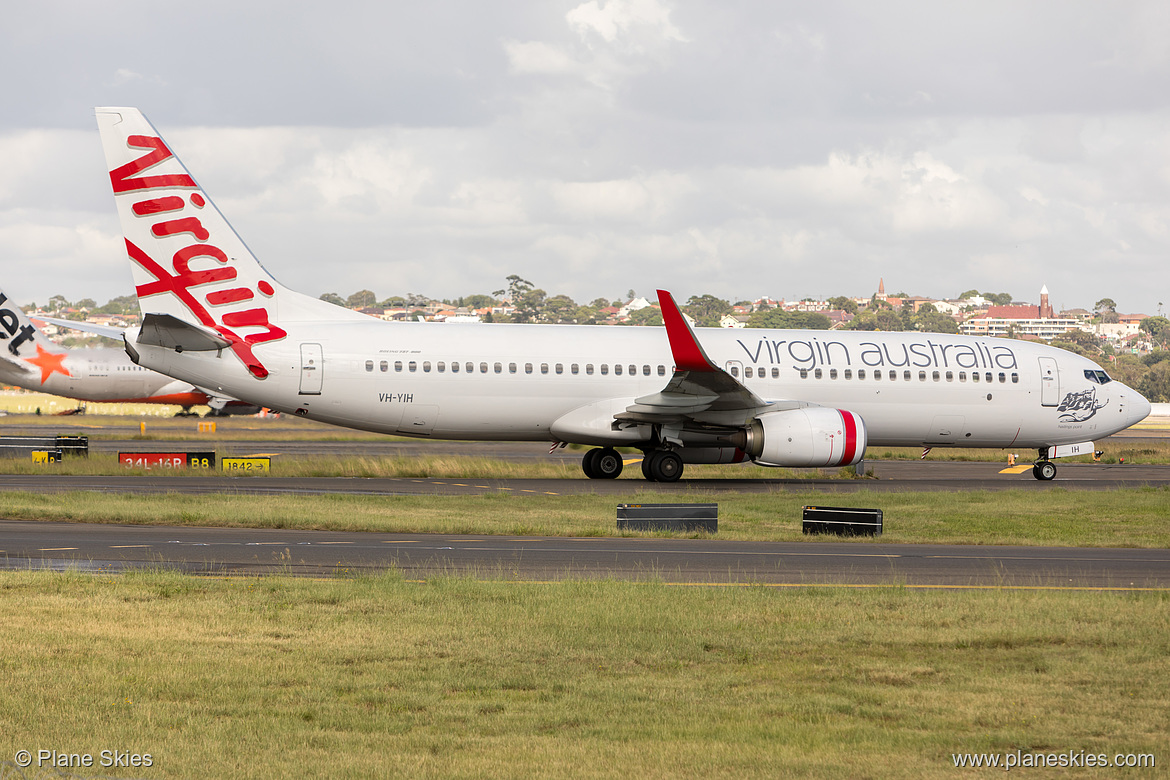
x=735, y=368
x=1049, y=382
x=311, y=365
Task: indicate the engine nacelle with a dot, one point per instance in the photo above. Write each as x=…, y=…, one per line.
x=812, y=436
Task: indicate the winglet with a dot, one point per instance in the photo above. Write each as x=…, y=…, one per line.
x=688, y=353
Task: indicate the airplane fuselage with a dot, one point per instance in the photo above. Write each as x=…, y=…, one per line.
x=565, y=383
x=98, y=374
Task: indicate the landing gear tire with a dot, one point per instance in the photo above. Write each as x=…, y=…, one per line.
x=1044, y=470
x=664, y=466
x=602, y=463
x=587, y=463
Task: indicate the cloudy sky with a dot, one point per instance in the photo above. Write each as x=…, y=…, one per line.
x=741, y=149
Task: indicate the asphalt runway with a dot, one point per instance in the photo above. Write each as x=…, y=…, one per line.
x=891, y=476
x=234, y=551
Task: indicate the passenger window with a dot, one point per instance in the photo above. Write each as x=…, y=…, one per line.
x=661, y=370
x=633, y=370
x=1015, y=378
x=921, y=376
x=560, y=368
x=645, y=370
x=511, y=368
x=573, y=369
x=775, y=373
x=499, y=367
x=974, y=376
x=527, y=368
x=617, y=369
x=934, y=375
x=441, y=366
x=893, y=375
x=1002, y=377
x=735, y=371
x=861, y=373
x=398, y=365
x=604, y=369
x=849, y=373
x=877, y=373
x=747, y=373
x=906, y=376
x=427, y=366
x=817, y=373
x=950, y=376
x=962, y=376
x=412, y=366
x=483, y=369
x=383, y=366
x=804, y=373
x=987, y=376
x=470, y=367
x=544, y=368
x=369, y=365
x=454, y=368
x=588, y=369
x=832, y=373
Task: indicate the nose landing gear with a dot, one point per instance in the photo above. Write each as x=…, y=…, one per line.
x=1044, y=469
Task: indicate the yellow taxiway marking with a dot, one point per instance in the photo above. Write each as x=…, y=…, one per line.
x=466, y=540
x=460, y=484
x=121, y=546
x=334, y=542
x=1017, y=469
x=404, y=541
x=55, y=549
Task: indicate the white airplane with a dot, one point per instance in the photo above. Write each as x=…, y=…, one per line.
x=213, y=316
x=30, y=360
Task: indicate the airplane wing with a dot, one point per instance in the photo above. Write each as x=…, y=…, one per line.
x=699, y=391
x=84, y=327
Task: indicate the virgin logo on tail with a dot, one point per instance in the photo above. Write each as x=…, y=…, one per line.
x=179, y=281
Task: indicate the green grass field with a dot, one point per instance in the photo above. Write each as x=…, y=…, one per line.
x=1120, y=518
x=383, y=678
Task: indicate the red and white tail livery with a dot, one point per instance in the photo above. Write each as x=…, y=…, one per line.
x=213, y=316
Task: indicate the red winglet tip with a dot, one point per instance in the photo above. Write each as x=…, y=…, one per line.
x=688, y=355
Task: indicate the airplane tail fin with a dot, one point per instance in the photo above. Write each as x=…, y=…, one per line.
x=20, y=336
x=186, y=259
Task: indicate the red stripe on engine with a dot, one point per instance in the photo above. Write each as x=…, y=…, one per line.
x=850, y=437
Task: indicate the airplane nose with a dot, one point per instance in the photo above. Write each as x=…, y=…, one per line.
x=1139, y=408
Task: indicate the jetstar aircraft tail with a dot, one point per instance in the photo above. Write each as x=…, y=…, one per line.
x=24, y=346
x=188, y=262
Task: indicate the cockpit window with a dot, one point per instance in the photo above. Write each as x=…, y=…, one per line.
x=1097, y=376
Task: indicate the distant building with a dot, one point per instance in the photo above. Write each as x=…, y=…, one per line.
x=1036, y=321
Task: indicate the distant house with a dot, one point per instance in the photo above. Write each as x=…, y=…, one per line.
x=733, y=321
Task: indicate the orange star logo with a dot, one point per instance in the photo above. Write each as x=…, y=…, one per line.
x=49, y=363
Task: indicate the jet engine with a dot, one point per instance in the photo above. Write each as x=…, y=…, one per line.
x=812, y=436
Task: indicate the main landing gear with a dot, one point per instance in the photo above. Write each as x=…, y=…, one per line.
x=1044, y=468
x=662, y=466
x=602, y=463
x=657, y=465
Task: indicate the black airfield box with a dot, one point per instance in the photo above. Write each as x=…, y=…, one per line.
x=668, y=517
x=842, y=521
x=23, y=446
